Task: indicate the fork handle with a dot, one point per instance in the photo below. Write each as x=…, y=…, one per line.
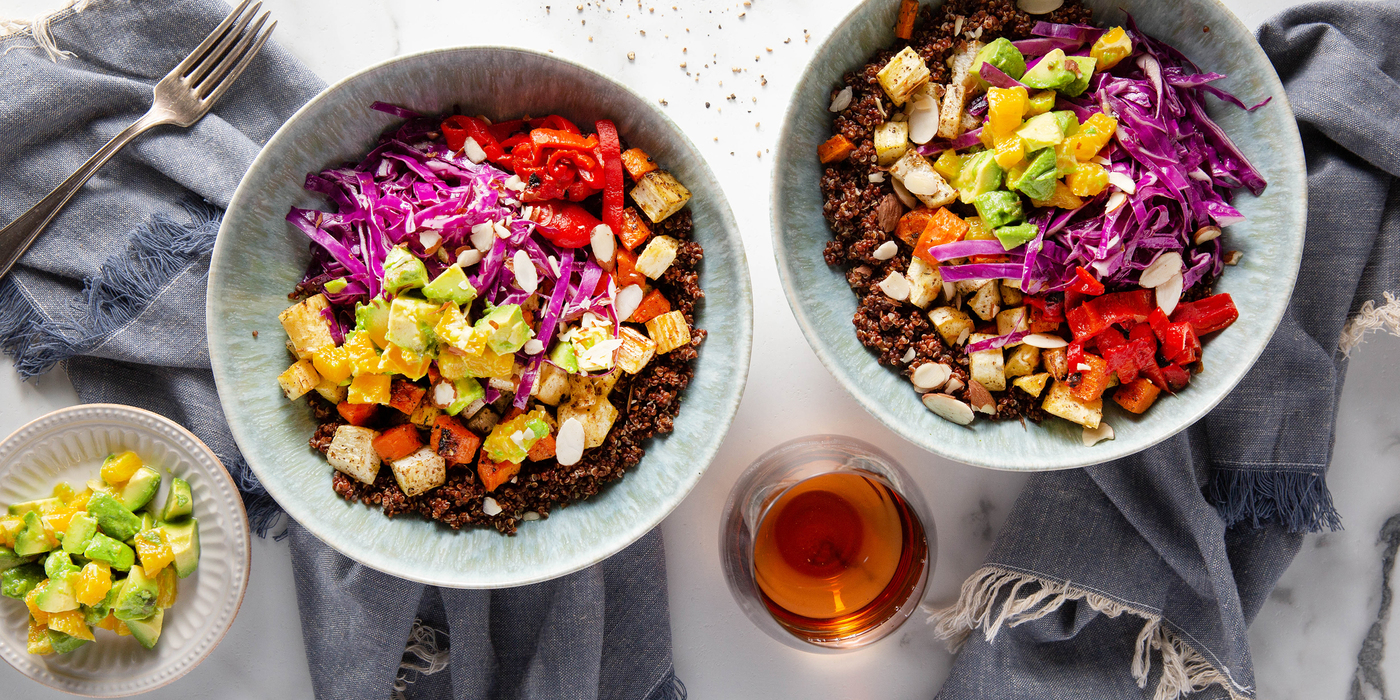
x=20, y=233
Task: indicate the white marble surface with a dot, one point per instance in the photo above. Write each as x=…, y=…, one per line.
x=1306, y=639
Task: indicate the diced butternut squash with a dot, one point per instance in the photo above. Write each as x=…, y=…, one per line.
x=300, y=378
x=908, y=12
x=542, y=449
x=493, y=474
x=398, y=442
x=835, y=149
x=637, y=162
x=669, y=331
x=453, y=442
x=1136, y=396
x=307, y=327
x=653, y=304
x=406, y=396
x=356, y=413
x=634, y=229
x=1093, y=380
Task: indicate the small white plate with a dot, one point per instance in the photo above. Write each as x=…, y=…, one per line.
x=69, y=445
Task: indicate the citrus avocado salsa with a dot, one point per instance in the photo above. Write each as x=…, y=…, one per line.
x=103, y=557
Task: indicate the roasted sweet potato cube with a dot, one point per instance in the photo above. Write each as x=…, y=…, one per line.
x=1137, y=396
x=634, y=229
x=356, y=413
x=637, y=162
x=653, y=304
x=835, y=149
x=453, y=442
x=398, y=442
x=406, y=396
x=493, y=474
x=542, y=449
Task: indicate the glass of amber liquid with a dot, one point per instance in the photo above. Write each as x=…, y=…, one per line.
x=826, y=544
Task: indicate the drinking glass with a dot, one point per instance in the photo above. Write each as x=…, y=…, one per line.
x=826, y=543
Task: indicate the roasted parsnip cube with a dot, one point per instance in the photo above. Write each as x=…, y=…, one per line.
x=669, y=331
x=586, y=391
x=969, y=287
x=950, y=124
x=1011, y=293
x=552, y=384
x=1056, y=362
x=597, y=419
x=986, y=367
x=904, y=74
x=332, y=392
x=425, y=414
x=925, y=282
x=1023, y=360
x=352, y=453
x=1061, y=401
x=636, y=351
x=660, y=195
x=917, y=175
x=891, y=141
x=953, y=325
x=963, y=57
x=300, y=378
x=1032, y=384
x=421, y=471
x=657, y=256
x=986, y=303
x=306, y=328
x=1012, y=320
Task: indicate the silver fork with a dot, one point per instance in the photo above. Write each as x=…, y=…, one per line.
x=181, y=98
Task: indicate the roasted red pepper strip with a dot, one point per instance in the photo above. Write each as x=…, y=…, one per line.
x=1096, y=315
x=1084, y=283
x=1180, y=344
x=1155, y=375
x=501, y=131
x=454, y=131
x=1177, y=377
x=556, y=122
x=1159, y=322
x=565, y=224
x=1144, y=332
x=457, y=128
x=610, y=153
x=554, y=138
x=1208, y=315
x=1074, y=356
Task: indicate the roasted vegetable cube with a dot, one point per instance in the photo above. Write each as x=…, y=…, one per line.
x=425, y=415
x=634, y=229
x=891, y=141
x=398, y=442
x=300, y=378
x=653, y=304
x=332, y=393
x=1013, y=320
x=406, y=396
x=1032, y=384
x=637, y=162
x=553, y=382
x=1137, y=396
x=904, y=74
x=1060, y=401
x=453, y=442
x=835, y=149
x=488, y=364
x=1024, y=359
x=657, y=256
x=1056, y=362
x=333, y=364
x=542, y=450
x=636, y=351
x=669, y=331
x=306, y=327
x=660, y=195
x=925, y=283
x=953, y=325
x=352, y=453
x=493, y=474
x=419, y=472
x=918, y=176
x=1011, y=294
x=987, y=367
x=595, y=415
x=986, y=303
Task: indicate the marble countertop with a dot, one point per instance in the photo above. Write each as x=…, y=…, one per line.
x=1307, y=638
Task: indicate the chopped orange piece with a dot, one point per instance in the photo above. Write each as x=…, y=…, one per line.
x=493, y=474
x=119, y=468
x=166, y=591
x=637, y=162
x=1136, y=396
x=39, y=642
x=154, y=550
x=634, y=229
x=653, y=305
x=31, y=600
x=71, y=623
x=836, y=148
x=91, y=584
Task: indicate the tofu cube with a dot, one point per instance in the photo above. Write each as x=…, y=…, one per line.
x=1061, y=401
x=352, y=453
x=551, y=385
x=1032, y=384
x=1056, y=362
x=1023, y=360
x=1011, y=293
x=636, y=351
x=1013, y=320
x=904, y=74
x=332, y=392
x=307, y=330
x=953, y=325
x=419, y=472
x=925, y=283
x=918, y=176
x=657, y=256
x=986, y=303
x=986, y=367
x=596, y=418
x=425, y=415
x=660, y=195
x=300, y=378
x=891, y=141
x=669, y=331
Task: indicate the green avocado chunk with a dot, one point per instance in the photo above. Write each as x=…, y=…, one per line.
x=451, y=285
x=147, y=631
x=505, y=328
x=979, y=175
x=373, y=318
x=37, y=506
x=999, y=208
x=1038, y=180
x=56, y=595
x=179, y=502
x=336, y=285
x=1012, y=236
x=81, y=528
x=32, y=540
x=1045, y=130
x=116, y=520
x=137, y=601
x=184, y=543
x=117, y=555
x=1083, y=69
x=58, y=564
x=468, y=390
x=140, y=488
x=64, y=643
x=1050, y=73
x=9, y=560
x=1002, y=54
x=403, y=270
x=93, y=614
x=564, y=358
x=18, y=582
x=411, y=323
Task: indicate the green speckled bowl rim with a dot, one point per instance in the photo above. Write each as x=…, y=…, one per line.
x=1056, y=444
x=483, y=555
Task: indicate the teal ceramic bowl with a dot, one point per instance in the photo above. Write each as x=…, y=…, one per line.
x=259, y=258
x=1271, y=239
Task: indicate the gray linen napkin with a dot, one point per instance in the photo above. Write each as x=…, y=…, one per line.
x=1138, y=578
x=115, y=290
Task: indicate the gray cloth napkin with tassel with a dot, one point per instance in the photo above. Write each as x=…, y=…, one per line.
x=114, y=291
x=1138, y=578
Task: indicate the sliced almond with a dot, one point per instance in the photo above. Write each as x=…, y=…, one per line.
x=923, y=120
x=904, y=194
x=895, y=286
x=948, y=408
x=568, y=444
x=1115, y=202
x=483, y=236
x=1161, y=270
x=604, y=243
x=930, y=376
x=1207, y=233
x=842, y=100
x=473, y=150
x=1096, y=435
x=1169, y=294
x=1044, y=341
x=981, y=399
x=469, y=257
x=921, y=183
x=526, y=276
x=887, y=250
x=1039, y=7
x=1122, y=182
x=628, y=299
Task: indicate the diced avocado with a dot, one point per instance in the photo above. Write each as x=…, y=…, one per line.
x=1002, y=54
x=373, y=318
x=114, y=519
x=58, y=564
x=184, y=542
x=563, y=357
x=56, y=595
x=979, y=174
x=997, y=209
x=94, y=614
x=1040, y=103
x=41, y=506
x=140, y=489
x=137, y=601
x=116, y=554
x=18, y=582
x=1050, y=73
x=9, y=560
x=81, y=528
x=336, y=285
x=64, y=643
x=98, y=485
x=32, y=540
x=1012, y=236
x=1083, y=69
x=505, y=328
x=403, y=270
x=1038, y=180
x=147, y=631
x=468, y=391
x=179, y=502
x=1043, y=131
x=411, y=323
x=451, y=285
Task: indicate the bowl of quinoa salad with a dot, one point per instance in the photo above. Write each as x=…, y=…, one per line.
x=426, y=465
x=1003, y=249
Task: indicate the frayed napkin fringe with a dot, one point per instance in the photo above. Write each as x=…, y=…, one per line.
x=39, y=29
x=423, y=656
x=994, y=597
x=1371, y=318
x=1297, y=499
